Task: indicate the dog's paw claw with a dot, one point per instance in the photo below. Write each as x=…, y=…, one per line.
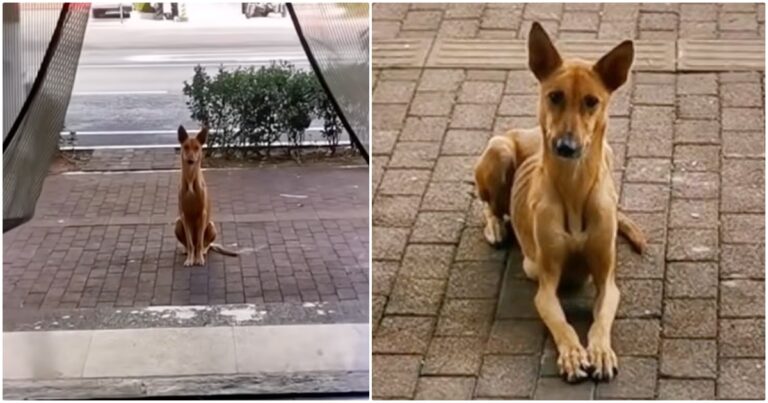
x=604, y=376
x=573, y=364
x=604, y=361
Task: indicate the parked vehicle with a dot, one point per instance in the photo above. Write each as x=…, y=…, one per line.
x=103, y=10
x=259, y=9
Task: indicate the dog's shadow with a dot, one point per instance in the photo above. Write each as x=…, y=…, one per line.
x=518, y=291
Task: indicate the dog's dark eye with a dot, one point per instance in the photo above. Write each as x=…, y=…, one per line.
x=556, y=97
x=590, y=101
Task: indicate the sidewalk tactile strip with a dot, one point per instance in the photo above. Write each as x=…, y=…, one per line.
x=400, y=53
x=649, y=55
x=512, y=54
x=720, y=55
x=471, y=53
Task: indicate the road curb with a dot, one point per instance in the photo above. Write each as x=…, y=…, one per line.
x=321, y=382
x=190, y=361
x=265, y=314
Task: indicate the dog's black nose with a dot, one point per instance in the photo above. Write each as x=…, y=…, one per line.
x=190, y=162
x=567, y=147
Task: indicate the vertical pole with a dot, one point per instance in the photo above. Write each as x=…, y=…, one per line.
x=183, y=11
x=120, y=6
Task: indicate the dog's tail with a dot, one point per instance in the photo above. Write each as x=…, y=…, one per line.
x=222, y=250
x=632, y=232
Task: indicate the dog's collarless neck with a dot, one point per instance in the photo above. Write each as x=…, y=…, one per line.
x=574, y=182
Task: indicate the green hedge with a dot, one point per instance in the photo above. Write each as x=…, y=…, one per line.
x=143, y=7
x=248, y=109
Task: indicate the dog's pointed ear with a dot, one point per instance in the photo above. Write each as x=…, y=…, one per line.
x=202, y=135
x=182, y=134
x=543, y=58
x=613, y=67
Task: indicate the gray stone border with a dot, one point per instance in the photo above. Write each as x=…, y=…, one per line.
x=212, y=385
x=186, y=316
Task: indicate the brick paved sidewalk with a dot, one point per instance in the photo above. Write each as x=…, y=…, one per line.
x=106, y=240
x=689, y=167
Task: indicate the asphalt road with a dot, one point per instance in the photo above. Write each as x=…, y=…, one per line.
x=128, y=90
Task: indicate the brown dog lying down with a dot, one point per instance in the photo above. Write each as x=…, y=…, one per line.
x=554, y=183
x=194, y=227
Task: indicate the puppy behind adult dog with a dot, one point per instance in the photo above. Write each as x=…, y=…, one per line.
x=554, y=184
x=194, y=227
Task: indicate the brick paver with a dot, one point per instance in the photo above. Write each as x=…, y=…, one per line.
x=107, y=240
x=689, y=167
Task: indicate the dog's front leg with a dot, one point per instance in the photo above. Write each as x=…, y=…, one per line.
x=190, y=246
x=200, y=241
x=572, y=360
x=601, y=355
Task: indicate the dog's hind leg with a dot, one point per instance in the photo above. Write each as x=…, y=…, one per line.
x=209, y=236
x=493, y=184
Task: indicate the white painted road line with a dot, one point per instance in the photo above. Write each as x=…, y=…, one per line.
x=143, y=132
x=306, y=143
x=89, y=93
x=166, y=170
x=215, y=57
x=184, y=65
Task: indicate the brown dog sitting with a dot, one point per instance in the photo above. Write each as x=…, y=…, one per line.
x=194, y=227
x=554, y=183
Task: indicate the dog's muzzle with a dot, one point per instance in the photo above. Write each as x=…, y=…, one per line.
x=567, y=147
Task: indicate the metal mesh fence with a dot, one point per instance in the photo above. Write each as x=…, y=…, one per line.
x=41, y=42
x=27, y=31
x=335, y=38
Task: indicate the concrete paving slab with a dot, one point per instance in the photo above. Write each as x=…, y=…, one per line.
x=300, y=348
x=160, y=352
x=196, y=361
x=45, y=355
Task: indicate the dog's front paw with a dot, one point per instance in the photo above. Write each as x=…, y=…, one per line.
x=200, y=260
x=603, y=360
x=190, y=261
x=573, y=362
